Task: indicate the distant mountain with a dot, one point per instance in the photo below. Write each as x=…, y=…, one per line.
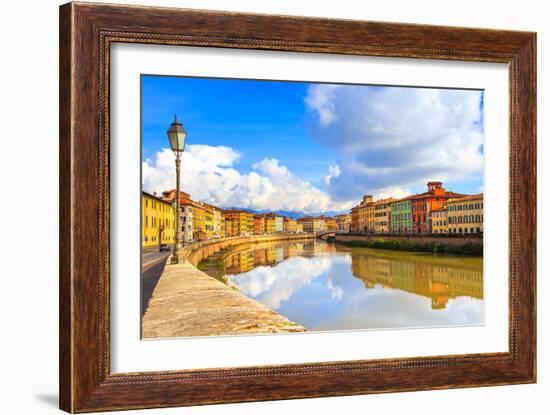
x=291, y=214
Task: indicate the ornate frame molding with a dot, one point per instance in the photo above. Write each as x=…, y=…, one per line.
x=86, y=34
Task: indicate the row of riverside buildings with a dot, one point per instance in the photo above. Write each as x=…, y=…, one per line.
x=202, y=221
x=435, y=211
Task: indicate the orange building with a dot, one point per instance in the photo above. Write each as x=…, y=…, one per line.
x=259, y=225
x=241, y=222
x=424, y=203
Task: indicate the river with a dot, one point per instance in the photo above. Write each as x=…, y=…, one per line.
x=324, y=286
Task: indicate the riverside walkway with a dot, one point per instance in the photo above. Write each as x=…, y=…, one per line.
x=188, y=302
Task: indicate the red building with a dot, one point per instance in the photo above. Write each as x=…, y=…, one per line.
x=422, y=205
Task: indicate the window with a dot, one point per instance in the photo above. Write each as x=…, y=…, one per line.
x=471, y=218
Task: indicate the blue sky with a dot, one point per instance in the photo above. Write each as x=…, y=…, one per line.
x=259, y=119
x=309, y=147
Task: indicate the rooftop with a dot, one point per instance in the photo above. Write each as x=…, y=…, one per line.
x=158, y=199
x=466, y=198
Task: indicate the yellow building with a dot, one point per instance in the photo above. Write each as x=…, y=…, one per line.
x=371, y=216
x=343, y=222
x=330, y=223
x=241, y=223
x=216, y=231
x=157, y=222
x=208, y=221
x=290, y=225
x=465, y=214
x=199, y=222
x=382, y=215
x=270, y=225
x=439, y=220
x=312, y=225
x=362, y=216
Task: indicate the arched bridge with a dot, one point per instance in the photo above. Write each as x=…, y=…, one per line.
x=324, y=235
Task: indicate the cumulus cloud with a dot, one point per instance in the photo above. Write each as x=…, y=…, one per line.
x=273, y=286
x=390, y=139
x=208, y=174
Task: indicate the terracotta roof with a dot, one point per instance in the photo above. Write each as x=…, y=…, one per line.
x=158, y=199
x=465, y=198
x=235, y=211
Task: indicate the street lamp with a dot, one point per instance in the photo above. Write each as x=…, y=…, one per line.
x=176, y=135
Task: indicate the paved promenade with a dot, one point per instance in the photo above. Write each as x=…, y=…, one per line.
x=188, y=302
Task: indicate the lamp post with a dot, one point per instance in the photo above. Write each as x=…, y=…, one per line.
x=176, y=135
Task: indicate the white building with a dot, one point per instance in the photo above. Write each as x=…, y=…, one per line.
x=279, y=224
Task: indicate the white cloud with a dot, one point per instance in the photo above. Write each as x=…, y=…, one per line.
x=333, y=171
x=390, y=139
x=208, y=174
x=273, y=286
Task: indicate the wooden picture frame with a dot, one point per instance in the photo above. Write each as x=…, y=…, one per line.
x=86, y=33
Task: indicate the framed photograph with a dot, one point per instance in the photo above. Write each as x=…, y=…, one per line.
x=258, y=207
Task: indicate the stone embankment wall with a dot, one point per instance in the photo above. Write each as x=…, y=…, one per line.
x=196, y=252
x=189, y=302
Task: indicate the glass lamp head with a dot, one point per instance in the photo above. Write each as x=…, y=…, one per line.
x=176, y=135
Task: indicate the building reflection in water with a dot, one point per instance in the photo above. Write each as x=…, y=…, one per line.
x=248, y=257
x=328, y=287
x=428, y=276
x=421, y=275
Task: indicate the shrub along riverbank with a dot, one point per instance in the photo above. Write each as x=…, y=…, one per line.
x=469, y=248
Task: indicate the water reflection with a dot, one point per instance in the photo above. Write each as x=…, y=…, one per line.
x=326, y=287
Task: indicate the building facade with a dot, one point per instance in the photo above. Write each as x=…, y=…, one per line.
x=382, y=216
x=208, y=221
x=423, y=204
x=401, y=216
x=259, y=225
x=241, y=222
x=343, y=223
x=216, y=221
x=278, y=222
x=199, y=221
x=465, y=214
x=312, y=225
x=439, y=220
x=269, y=225
x=290, y=225
x=185, y=214
x=330, y=223
x=157, y=222
x=187, y=221
x=362, y=216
